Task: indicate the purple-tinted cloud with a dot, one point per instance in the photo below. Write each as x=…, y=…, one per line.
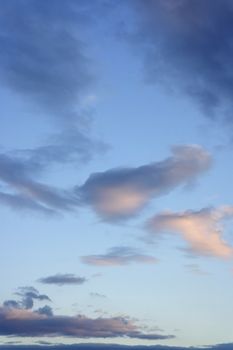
x=25, y=323
x=119, y=256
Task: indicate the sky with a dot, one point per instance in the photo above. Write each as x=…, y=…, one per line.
x=116, y=144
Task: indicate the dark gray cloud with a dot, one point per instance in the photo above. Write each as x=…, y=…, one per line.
x=45, y=310
x=63, y=279
x=12, y=304
x=187, y=44
x=25, y=323
x=122, y=192
x=119, y=256
x=28, y=295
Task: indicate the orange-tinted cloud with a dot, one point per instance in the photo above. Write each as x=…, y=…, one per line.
x=202, y=230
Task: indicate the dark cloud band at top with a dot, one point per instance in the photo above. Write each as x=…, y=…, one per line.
x=187, y=44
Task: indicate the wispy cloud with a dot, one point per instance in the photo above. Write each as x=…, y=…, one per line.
x=21, y=191
x=43, y=56
x=202, y=230
x=187, y=44
x=44, y=61
x=121, y=193
x=63, y=279
x=119, y=256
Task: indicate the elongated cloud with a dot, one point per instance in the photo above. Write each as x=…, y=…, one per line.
x=187, y=44
x=115, y=194
x=20, y=191
x=63, y=279
x=201, y=230
x=119, y=256
x=26, y=323
x=122, y=192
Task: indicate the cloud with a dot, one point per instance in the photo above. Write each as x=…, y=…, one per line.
x=12, y=304
x=201, y=229
x=43, y=56
x=115, y=194
x=63, y=279
x=43, y=60
x=120, y=193
x=25, y=323
x=119, y=256
x=187, y=45
x=28, y=295
x=45, y=310
x=20, y=191
x=68, y=146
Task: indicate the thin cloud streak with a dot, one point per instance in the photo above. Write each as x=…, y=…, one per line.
x=118, y=256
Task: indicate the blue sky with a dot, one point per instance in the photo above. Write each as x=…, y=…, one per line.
x=115, y=173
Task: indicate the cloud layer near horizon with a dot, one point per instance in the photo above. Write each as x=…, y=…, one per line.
x=121, y=193
x=200, y=229
x=25, y=323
